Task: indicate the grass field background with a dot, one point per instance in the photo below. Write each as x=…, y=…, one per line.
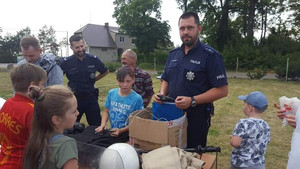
x=227, y=112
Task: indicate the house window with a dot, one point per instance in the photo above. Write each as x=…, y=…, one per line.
x=133, y=41
x=122, y=39
x=104, y=49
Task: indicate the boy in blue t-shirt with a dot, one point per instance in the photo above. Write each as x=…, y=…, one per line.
x=120, y=103
x=251, y=135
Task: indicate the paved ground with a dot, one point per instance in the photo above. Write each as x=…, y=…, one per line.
x=244, y=75
x=4, y=65
x=230, y=74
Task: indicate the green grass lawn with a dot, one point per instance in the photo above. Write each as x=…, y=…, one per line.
x=227, y=112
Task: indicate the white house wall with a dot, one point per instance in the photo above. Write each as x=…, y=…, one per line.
x=104, y=54
x=127, y=44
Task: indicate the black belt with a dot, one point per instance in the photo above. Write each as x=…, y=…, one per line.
x=208, y=107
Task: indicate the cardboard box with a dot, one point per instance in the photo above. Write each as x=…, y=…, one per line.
x=148, y=134
x=209, y=160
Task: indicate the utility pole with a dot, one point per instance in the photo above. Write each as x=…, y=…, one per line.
x=67, y=42
x=287, y=69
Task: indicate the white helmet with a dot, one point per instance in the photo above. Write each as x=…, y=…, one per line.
x=119, y=156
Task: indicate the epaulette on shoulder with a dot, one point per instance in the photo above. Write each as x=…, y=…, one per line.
x=92, y=56
x=66, y=58
x=209, y=50
x=175, y=49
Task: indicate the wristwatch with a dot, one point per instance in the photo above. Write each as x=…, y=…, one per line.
x=194, y=103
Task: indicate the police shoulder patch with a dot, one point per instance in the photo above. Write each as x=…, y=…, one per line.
x=178, y=48
x=92, y=56
x=209, y=50
x=67, y=58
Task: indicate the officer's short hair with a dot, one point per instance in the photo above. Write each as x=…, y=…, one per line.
x=28, y=41
x=75, y=38
x=123, y=72
x=190, y=14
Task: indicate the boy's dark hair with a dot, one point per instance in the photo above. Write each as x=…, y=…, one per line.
x=123, y=72
x=22, y=76
x=28, y=41
x=75, y=38
x=190, y=14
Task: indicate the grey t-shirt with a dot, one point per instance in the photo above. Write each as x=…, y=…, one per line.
x=255, y=134
x=60, y=151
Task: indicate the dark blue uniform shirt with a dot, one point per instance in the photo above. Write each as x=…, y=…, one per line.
x=81, y=74
x=195, y=73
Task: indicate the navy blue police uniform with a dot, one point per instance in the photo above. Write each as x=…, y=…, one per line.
x=191, y=74
x=81, y=75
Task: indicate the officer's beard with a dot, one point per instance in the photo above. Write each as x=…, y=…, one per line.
x=190, y=42
x=81, y=53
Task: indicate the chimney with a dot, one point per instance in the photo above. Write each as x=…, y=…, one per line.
x=106, y=25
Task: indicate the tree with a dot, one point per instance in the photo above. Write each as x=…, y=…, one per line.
x=223, y=20
x=142, y=19
x=63, y=43
x=215, y=21
x=0, y=33
x=223, y=27
x=10, y=45
x=183, y=5
x=294, y=6
x=47, y=39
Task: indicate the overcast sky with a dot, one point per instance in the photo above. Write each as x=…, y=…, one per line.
x=70, y=15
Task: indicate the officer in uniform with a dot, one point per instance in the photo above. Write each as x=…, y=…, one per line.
x=195, y=76
x=80, y=69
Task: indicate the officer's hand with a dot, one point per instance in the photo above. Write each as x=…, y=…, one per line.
x=115, y=132
x=157, y=99
x=100, y=129
x=183, y=102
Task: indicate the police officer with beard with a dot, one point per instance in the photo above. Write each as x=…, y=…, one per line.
x=80, y=69
x=195, y=77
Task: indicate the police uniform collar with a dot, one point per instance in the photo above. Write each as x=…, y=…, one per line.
x=83, y=57
x=198, y=44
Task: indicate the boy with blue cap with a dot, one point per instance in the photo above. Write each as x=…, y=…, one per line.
x=251, y=135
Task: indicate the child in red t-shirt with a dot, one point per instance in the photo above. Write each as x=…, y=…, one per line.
x=17, y=112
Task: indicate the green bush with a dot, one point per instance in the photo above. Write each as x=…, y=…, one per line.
x=257, y=74
x=294, y=67
x=159, y=72
x=113, y=66
x=146, y=65
x=6, y=57
x=160, y=67
x=250, y=57
x=159, y=55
